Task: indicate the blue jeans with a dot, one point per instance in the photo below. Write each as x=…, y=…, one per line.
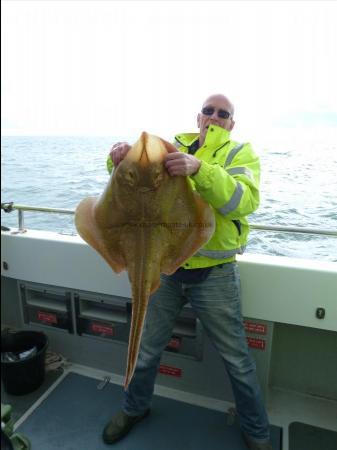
x=216, y=301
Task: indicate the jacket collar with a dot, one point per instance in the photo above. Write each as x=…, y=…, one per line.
x=216, y=136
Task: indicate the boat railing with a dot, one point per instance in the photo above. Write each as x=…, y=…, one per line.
x=10, y=207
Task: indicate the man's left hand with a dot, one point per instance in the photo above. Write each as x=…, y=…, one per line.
x=178, y=163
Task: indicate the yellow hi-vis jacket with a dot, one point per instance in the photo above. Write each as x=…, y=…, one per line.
x=228, y=180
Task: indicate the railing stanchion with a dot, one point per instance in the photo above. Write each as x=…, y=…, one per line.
x=21, y=221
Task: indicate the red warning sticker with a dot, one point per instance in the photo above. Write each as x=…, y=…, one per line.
x=253, y=327
x=101, y=329
x=259, y=344
x=46, y=317
x=169, y=370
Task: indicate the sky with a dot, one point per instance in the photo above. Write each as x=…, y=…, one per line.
x=111, y=68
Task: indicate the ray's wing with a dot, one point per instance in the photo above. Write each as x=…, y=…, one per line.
x=191, y=229
x=192, y=224
x=104, y=240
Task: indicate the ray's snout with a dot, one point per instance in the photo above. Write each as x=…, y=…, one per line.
x=148, y=149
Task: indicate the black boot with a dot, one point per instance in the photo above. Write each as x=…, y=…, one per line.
x=254, y=445
x=120, y=425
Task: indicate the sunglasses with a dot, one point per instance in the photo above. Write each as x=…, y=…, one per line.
x=209, y=111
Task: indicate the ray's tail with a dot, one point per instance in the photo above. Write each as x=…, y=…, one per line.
x=139, y=307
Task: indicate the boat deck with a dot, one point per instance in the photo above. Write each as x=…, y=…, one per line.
x=69, y=411
x=78, y=411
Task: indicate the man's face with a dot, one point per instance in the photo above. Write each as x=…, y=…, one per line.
x=216, y=110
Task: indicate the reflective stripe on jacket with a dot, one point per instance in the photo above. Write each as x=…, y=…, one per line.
x=228, y=180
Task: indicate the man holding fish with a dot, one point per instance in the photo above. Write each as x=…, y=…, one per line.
x=226, y=175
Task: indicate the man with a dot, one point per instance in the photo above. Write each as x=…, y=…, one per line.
x=226, y=174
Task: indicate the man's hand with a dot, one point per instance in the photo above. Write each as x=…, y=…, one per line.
x=118, y=152
x=178, y=163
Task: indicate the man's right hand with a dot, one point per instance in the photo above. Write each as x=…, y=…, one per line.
x=118, y=152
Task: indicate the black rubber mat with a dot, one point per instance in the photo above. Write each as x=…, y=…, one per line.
x=308, y=437
x=74, y=414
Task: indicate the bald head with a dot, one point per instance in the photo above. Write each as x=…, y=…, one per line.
x=220, y=99
x=217, y=109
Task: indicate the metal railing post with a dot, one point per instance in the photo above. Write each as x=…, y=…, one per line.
x=21, y=221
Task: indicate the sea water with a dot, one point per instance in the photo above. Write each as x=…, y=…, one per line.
x=298, y=186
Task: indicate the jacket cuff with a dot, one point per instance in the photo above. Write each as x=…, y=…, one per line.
x=203, y=177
